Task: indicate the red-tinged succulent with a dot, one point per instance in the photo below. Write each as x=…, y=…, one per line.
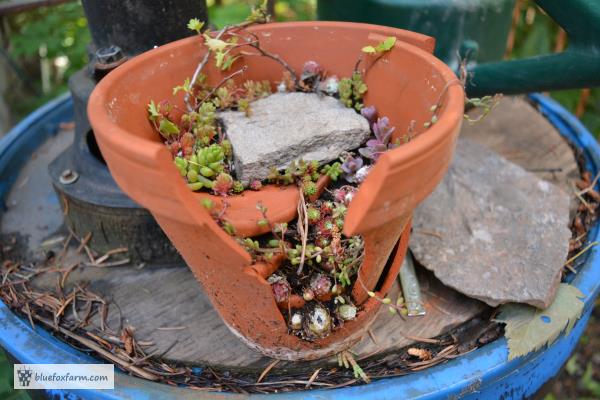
x=309, y=188
x=325, y=227
x=174, y=148
x=187, y=144
x=223, y=184
x=320, y=284
x=281, y=290
x=255, y=185
x=327, y=208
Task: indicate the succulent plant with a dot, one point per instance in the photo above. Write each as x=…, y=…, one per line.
x=318, y=322
x=333, y=171
x=204, y=123
x=352, y=90
x=223, y=184
x=309, y=188
x=313, y=214
x=308, y=294
x=296, y=321
x=320, y=284
x=327, y=207
x=381, y=143
x=238, y=187
x=344, y=194
x=370, y=113
x=346, y=312
x=351, y=166
x=331, y=85
x=209, y=160
x=255, y=185
x=206, y=169
x=256, y=90
x=280, y=287
x=362, y=173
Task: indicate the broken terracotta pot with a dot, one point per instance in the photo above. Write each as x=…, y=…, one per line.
x=403, y=85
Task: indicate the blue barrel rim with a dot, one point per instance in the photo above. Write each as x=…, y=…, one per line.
x=467, y=375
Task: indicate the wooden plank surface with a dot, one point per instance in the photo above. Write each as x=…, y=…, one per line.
x=166, y=305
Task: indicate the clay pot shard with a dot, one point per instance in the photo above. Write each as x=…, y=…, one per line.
x=404, y=88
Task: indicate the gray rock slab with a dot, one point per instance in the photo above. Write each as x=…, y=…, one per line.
x=288, y=126
x=493, y=231
x=519, y=132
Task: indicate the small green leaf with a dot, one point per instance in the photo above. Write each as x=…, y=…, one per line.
x=215, y=45
x=186, y=87
x=195, y=25
x=228, y=62
x=167, y=128
x=219, y=57
x=528, y=328
x=153, y=111
x=369, y=49
x=207, y=203
x=387, y=44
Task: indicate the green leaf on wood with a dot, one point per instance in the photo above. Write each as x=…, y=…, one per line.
x=529, y=329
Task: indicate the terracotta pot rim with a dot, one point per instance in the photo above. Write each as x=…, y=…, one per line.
x=450, y=115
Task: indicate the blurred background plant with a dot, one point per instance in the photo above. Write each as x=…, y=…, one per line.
x=41, y=48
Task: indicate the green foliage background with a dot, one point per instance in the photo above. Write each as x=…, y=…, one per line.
x=63, y=31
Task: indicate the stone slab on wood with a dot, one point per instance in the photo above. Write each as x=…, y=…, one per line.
x=519, y=133
x=284, y=127
x=494, y=231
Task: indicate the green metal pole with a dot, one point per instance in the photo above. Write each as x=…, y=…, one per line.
x=577, y=66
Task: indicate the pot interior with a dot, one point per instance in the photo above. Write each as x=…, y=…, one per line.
x=403, y=84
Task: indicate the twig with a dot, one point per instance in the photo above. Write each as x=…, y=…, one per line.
x=312, y=378
x=586, y=248
x=83, y=243
x=199, y=68
x=171, y=328
x=109, y=253
x=228, y=77
x=266, y=371
x=104, y=353
x=429, y=233
x=302, y=228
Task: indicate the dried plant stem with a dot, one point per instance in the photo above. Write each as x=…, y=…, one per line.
x=93, y=346
x=223, y=81
x=199, y=69
x=586, y=248
x=266, y=370
x=302, y=228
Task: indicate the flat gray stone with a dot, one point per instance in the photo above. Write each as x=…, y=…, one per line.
x=520, y=133
x=288, y=126
x=493, y=231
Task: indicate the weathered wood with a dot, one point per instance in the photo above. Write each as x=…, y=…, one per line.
x=165, y=305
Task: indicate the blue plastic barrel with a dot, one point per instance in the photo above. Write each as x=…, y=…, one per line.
x=484, y=373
